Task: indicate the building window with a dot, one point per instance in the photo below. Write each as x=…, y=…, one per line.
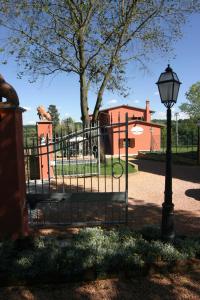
x=131, y=143
x=138, y=118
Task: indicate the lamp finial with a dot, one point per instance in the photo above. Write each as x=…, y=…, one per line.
x=168, y=69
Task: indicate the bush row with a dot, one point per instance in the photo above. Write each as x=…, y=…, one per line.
x=44, y=259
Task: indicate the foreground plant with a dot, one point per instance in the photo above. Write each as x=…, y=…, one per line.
x=103, y=251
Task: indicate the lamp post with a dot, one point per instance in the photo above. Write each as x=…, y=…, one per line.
x=168, y=86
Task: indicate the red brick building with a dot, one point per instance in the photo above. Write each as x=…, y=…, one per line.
x=143, y=135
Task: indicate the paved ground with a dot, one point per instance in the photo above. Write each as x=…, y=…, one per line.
x=146, y=195
x=154, y=287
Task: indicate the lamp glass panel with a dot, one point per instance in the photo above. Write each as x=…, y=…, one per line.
x=165, y=76
x=166, y=90
x=176, y=89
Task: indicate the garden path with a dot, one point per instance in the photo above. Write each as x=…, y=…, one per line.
x=146, y=195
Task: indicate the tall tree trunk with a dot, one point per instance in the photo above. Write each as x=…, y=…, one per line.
x=84, y=100
x=100, y=93
x=83, y=85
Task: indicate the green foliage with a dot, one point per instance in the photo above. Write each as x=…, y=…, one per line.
x=39, y=243
x=166, y=252
x=69, y=125
x=151, y=232
x=184, y=139
x=29, y=133
x=189, y=246
x=187, y=127
x=103, y=251
x=192, y=107
x=53, y=111
x=187, y=132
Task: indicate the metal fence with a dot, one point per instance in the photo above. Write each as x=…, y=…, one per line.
x=70, y=179
x=181, y=142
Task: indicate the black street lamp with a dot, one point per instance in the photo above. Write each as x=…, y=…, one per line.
x=168, y=86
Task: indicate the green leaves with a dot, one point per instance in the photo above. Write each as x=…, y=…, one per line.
x=192, y=107
x=45, y=259
x=52, y=109
x=93, y=39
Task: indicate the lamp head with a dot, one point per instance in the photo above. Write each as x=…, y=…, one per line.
x=168, y=86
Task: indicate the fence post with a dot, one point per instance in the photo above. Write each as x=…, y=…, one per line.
x=13, y=212
x=99, y=148
x=198, y=144
x=44, y=130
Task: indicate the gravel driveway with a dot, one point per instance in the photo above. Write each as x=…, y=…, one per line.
x=146, y=195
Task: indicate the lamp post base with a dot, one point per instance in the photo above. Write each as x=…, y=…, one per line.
x=167, y=229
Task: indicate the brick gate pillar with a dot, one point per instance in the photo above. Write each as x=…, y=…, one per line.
x=13, y=212
x=45, y=134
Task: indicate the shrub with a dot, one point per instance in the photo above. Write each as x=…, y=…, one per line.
x=167, y=252
x=151, y=232
x=189, y=246
x=104, y=251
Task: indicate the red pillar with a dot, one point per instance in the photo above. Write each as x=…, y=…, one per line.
x=44, y=132
x=13, y=212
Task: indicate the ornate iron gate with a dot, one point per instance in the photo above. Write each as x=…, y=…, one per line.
x=84, y=182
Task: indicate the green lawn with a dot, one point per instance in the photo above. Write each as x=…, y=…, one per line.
x=182, y=149
x=116, y=166
x=111, y=165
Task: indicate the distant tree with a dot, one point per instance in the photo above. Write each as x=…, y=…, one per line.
x=192, y=107
x=187, y=131
x=94, y=39
x=78, y=126
x=52, y=109
x=68, y=125
x=30, y=133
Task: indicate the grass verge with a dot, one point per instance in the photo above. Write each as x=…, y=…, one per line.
x=108, y=167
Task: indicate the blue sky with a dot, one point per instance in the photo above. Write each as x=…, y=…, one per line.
x=63, y=91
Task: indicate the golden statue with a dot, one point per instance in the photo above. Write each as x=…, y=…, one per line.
x=43, y=114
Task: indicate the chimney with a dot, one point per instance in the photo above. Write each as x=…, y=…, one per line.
x=147, y=112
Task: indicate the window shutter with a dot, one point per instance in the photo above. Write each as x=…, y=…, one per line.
x=121, y=143
x=132, y=143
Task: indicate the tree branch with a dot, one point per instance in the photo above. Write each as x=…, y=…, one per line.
x=23, y=33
